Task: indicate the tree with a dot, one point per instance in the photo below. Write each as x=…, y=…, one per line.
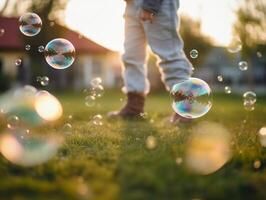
x=250, y=27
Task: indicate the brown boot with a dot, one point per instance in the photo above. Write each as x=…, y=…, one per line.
x=133, y=108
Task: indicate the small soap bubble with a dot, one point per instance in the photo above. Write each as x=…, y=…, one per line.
x=90, y=101
x=259, y=54
x=41, y=49
x=44, y=81
x=96, y=81
x=67, y=128
x=59, y=53
x=194, y=53
x=97, y=120
x=250, y=97
x=97, y=91
x=27, y=47
x=13, y=122
x=227, y=90
x=151, y=142
x=235, y=45
x=243, y=66
x=30, y=24
x=18, y=62
x=257, y=164
x=52, y=23
x=220, y=78
x=2, y=32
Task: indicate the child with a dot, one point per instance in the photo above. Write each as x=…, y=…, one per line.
x=152, y=22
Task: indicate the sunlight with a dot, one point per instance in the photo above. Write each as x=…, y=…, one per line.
x=102, y=21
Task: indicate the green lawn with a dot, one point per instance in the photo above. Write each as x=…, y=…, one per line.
x=112, y=162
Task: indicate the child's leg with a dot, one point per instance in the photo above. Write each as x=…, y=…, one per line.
x=134, y=57
x=165, y=42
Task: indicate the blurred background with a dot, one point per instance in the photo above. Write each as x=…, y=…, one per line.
x=95, y=28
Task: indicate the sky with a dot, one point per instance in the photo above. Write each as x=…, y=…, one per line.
x=102, y=20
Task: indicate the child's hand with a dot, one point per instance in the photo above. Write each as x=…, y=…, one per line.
x=146, y=16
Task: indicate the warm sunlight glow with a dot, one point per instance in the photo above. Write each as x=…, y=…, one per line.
x=102, y=20
x=47, y=106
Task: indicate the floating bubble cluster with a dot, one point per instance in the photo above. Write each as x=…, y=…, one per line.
x=194, y=53
x=27, y=150
x=30, y=24
x=243, y=66
x=208, y=148
x=59, y=53
x=97, y=91
x=191, y=98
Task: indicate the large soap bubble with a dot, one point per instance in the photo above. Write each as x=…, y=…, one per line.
x=30, y=24
x=192, y=98
x=59, y=53
x=208, y=149
x=28, y=150
x=30, y=106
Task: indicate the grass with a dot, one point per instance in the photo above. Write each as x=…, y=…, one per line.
x=112, y=162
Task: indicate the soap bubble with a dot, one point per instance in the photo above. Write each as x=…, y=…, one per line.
x=192, y=98
x=96, y=81
x=26, y=150
x=97, y=91
x=243, y=66
x=2, y=32
x=27, y=47
x=12, y=122
x=250, y=97
x=30, y=24
x=227, y=90
x=262, y=136
x=59, y=53
x=220, y=78
x=235, y=45
x=90, y=101
x=97, y=120
x=194, y=53
x=259, y=54
x=151, y=142
x=178, y=160
x=67, y=128
x=41, y=49
x=44, y=81
x=249, y=106
x=18, y=62
x=208, y=149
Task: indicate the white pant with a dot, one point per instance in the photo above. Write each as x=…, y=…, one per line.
x=163, y=38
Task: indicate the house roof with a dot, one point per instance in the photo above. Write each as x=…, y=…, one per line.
x=13, y=39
